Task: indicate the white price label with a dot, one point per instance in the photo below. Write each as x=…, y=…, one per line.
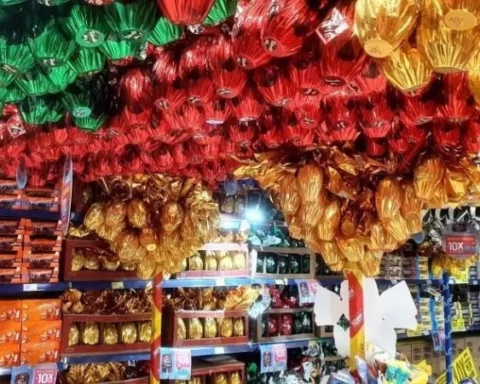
x=220, y=282
x=219, y=350
x=118, y=285
x=30, y=288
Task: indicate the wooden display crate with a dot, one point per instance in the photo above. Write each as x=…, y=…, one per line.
x=88, y=275
x=227, y=247
x=283, y=251
x=100, y=348
x=279, y=312
x=170, y=327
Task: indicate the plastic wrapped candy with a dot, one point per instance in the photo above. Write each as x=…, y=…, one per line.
x=110, y=334
x=246, y=37
x=388, y=198
x=185, y=12
x=95, y=216
x=457, y=103
x=285, y=27
x=329, y=220
x=427, y=177
x=131, y=21
x=195, y=329
x=85, y=25
x=129, y=333
x=286, y=322
x=165, y=32
x=91, y=334
x=447, y=50
x=383, y=25
x=272, y=325
x=49, y=46
x=137, y=213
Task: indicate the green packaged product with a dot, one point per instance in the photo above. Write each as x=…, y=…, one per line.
x=165, y=32
x=221, y=10
x=87, y=61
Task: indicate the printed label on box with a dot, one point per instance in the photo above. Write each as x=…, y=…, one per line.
x=273, y=358
x=175, y=364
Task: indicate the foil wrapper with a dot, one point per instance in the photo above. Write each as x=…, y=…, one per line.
x=129, y=334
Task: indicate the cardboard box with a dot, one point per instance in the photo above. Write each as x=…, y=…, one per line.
x=38, y=353
x=10, y=333
x=405, y=350
x=9, y=355
x=474, y=344
x=38, y=310
x=10, y=310
x=41, y=331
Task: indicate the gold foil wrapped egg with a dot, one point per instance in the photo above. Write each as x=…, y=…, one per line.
x=370, y=267
x=473, y=67
x=210, y=261
x=351, y=249
x=195, y=263
x=95, y=216
x=195, y=329
x=448, y=50
x=427, y=176
x=295, y=227
x=115, y=213
x=226, y=263
x=146, y=268
x=398, y=228
x=310, y=182
x=110, y=334
x=221, y=378
x=92, y=263
x=289, y=196
x=78, y=262
x=382, y=25
x=460, y=15
x=457, y=185
x=238, y=327
x=129, y=333
x=388, y=198
x=73, y=335
x=380, y=239
x=91, y=334
x=329, y=220
x=137, y=213
x=439, y=199
x=411, y=208
x=226, y=327
x=235, y=378
x=111, y=233
x=148, y=239
x=181, y=330
x=145, y=332
x=311, y=214
x=210, y=327
x=406, y=69
x=171, y=216
x=239, y=261
x=126, y=246
x=330, y=252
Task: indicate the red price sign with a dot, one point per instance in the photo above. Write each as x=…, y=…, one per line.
x=44, y=376
x=460, y=245
x=280, y=354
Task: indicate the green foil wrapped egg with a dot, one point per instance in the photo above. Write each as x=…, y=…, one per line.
x=131, y=20
x=15, y=55
x=87, y=61
x=35, y=83
x=14, y=94
x=91, y=123
x=117, y=49
x=78, y=101
x=61, y=76
x=165, y=32
x=41, y=110
x=85, y=25
x=221, y=10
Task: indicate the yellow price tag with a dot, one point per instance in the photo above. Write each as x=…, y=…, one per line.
x=118, y=285
x=463, y=368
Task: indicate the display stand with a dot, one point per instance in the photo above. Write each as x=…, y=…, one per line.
x=448, y=326
x=157, y=330
x=356, y=315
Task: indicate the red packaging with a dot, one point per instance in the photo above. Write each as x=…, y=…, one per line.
x=38, y=310
x=11, y=201
x=10, y=310
x=37, y=244
x=12, y=227
x=41, y=260
x=39, y=276
x=10, y=259
x=11, y=275
x=11, y=243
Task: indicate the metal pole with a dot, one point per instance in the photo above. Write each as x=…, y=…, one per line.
x=357, y=316
x=448, y=326
x=157, y=330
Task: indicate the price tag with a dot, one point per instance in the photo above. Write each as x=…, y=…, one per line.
x=45, y=375
x=118, y=285
x=306, y=292
x=461, y=245
x=30, y=287
x=175, y=364
x=273, y=358
x=220, y=282
x=219, y=351
x=279, y=282
x=474, y=282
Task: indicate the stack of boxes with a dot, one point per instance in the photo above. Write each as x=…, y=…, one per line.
x=30, y=332
x=396, y=266
x=32, y=198
x=391, y=266
x=29, y=251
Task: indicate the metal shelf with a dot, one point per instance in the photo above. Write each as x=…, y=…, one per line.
x=29, y=214
x=20, y=288
x=106, y=358
x=127, y=284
